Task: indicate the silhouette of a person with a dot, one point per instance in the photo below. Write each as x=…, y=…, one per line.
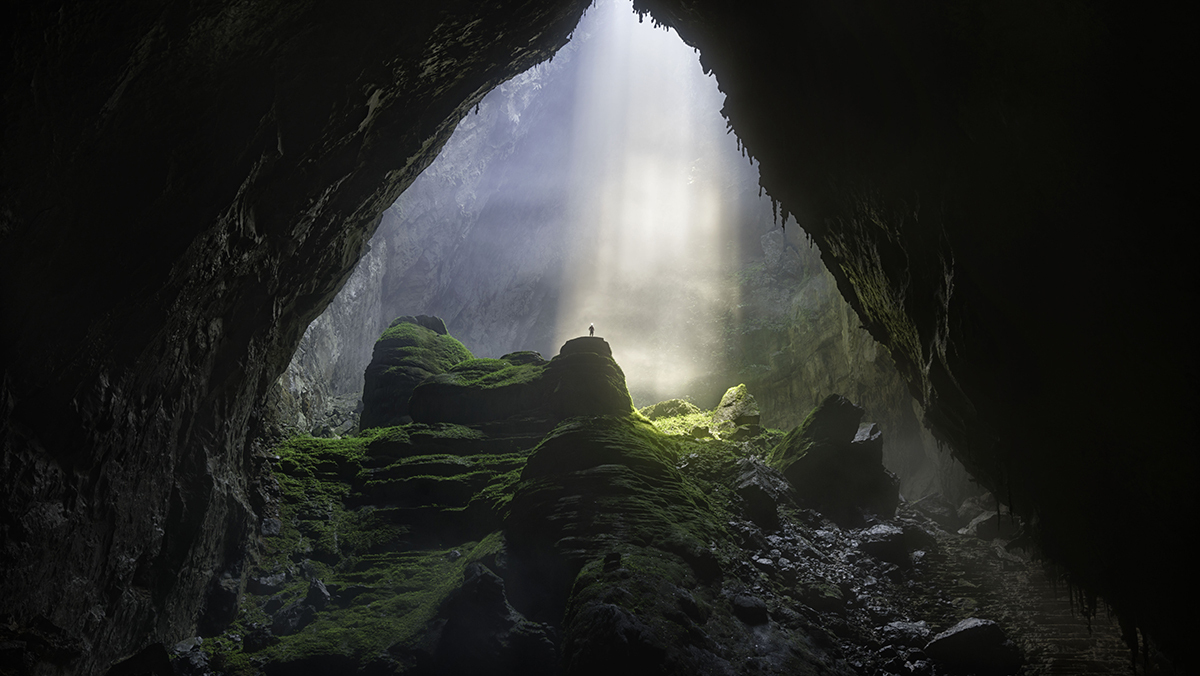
x=591, y=329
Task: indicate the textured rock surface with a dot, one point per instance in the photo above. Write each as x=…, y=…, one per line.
x=835, y=465
x=409, y=351
x=582, y=379
x=971, y=176
x=601, y=546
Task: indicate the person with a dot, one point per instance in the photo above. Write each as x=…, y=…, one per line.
x=591, y=329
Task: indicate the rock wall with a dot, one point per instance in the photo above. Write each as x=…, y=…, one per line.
x=973, y=174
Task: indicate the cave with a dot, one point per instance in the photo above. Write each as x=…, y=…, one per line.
x=998, y=191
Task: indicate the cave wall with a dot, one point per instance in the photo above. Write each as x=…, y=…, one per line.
x=185, y=187
x=980, y=178
x=995, y=187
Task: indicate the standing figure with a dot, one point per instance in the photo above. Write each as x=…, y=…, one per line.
x=591, y=329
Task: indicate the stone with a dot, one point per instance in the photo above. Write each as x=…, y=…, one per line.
x=975, y=645
x=582, y=380
x=990, y=524
x=258, y=638
x=907, y=634
x=292, y=618
x=737, y=408
x=762, y=490
x=749, y=609
x=886, y=543
x=937, y=507
x=267, y=583
x=836, y=466
x=317, y=596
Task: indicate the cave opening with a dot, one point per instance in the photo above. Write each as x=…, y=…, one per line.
x=605, y=187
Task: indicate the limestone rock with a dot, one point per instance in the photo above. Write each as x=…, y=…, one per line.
x=737, y=414
x=408, y=352
x=835, y=465
x=762, y=489
x=975, y=646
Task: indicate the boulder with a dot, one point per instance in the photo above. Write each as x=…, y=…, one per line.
x=940, y=510
x=750, y=609
x=975, y=646
x=886, y=543
x=762, y=489
x=837, y=466
x=409, y=351
x=737, y=410
x=484, y=634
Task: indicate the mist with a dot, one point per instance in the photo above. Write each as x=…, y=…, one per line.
x=598, y=188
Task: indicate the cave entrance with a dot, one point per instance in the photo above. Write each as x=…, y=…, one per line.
x=602, y=187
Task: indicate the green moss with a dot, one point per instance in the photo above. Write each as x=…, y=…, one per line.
x=493, y=373
x=683, y=424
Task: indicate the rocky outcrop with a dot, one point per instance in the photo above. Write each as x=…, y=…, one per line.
x=836, y=465
x=598, y=546
x=583, y=379
x=964, y=199
x=411, y=350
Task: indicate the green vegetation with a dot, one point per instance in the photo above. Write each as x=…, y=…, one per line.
x=387, y=526
x=684, y=424
x=493, y=373
x=406, y=354
x=376, y=531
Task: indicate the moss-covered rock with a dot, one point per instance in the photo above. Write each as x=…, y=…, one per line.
x=408, y=352
x=582, y=380
x=836, y=466
x=669, y=409
x=736, y=417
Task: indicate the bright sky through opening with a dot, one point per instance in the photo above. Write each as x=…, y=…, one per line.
x=650, y=190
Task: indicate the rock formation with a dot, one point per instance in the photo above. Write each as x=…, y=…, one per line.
x=408, y=352
x=596, y=545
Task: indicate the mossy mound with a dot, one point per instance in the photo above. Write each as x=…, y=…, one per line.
x=836, y=466
x=669, y=409
x=582, y=380
x=408, y=352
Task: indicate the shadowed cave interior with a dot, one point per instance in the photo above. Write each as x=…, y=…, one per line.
x=985, y=245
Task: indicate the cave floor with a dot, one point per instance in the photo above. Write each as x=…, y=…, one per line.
x=969, y=576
